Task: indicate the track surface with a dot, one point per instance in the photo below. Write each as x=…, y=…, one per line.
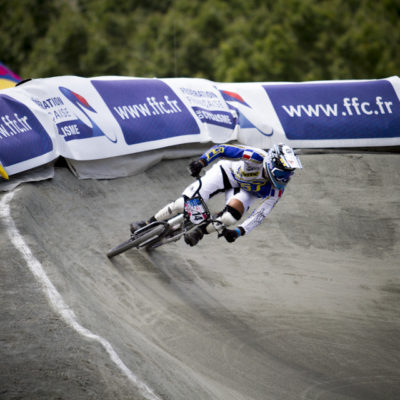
x=306, y=307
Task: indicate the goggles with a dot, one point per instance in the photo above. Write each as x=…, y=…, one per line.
x=281, y=175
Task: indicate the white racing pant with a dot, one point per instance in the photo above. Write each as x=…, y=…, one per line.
x=217, y=179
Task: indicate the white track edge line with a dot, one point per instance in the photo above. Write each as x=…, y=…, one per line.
x=56, y=301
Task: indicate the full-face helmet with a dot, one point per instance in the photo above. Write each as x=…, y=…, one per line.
x=280, y=163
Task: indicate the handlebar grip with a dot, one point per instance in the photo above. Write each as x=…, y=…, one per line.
x=197, y=176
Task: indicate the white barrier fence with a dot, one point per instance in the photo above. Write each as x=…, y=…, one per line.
x=87, y=119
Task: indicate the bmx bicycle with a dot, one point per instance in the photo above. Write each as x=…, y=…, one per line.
x=158, y=233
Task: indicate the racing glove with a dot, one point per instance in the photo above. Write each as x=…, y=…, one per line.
x=232, y=234
x=195, y=167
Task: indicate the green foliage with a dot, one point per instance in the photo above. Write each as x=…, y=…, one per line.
x=236, y=40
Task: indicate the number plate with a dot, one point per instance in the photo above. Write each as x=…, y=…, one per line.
x=195, y=211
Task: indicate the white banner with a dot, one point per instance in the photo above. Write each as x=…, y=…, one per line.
x=86, y=119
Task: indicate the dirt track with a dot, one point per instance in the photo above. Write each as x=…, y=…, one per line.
x=306, y=307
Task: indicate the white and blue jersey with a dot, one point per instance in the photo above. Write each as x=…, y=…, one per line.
x=243, y=167
x=247, y=171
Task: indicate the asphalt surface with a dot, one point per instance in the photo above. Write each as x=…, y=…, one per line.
x=305, y=307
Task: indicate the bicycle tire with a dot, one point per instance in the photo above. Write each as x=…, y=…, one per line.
x=136, y=242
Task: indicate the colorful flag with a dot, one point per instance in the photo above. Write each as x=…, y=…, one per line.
x=7, y=77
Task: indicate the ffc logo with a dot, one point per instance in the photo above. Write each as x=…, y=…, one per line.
x=245, y=112
x=87, y=110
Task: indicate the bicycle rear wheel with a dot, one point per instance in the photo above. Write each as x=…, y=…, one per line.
x=136, y=241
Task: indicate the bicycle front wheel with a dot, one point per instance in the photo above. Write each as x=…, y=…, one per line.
x=136, y=241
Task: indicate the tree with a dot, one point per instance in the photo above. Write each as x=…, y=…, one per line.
x=236, y=40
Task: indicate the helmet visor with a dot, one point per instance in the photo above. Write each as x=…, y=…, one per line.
x=289, y=159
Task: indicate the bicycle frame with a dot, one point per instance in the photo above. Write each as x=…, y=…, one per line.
x=157, y=233
x=195, y=212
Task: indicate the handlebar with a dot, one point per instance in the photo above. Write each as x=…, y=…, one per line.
x=198, y=177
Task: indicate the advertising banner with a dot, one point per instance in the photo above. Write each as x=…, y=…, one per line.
x=99, y=118
x=146, y=110
x=334, y=114
x=22, y=136
x=340, y=111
